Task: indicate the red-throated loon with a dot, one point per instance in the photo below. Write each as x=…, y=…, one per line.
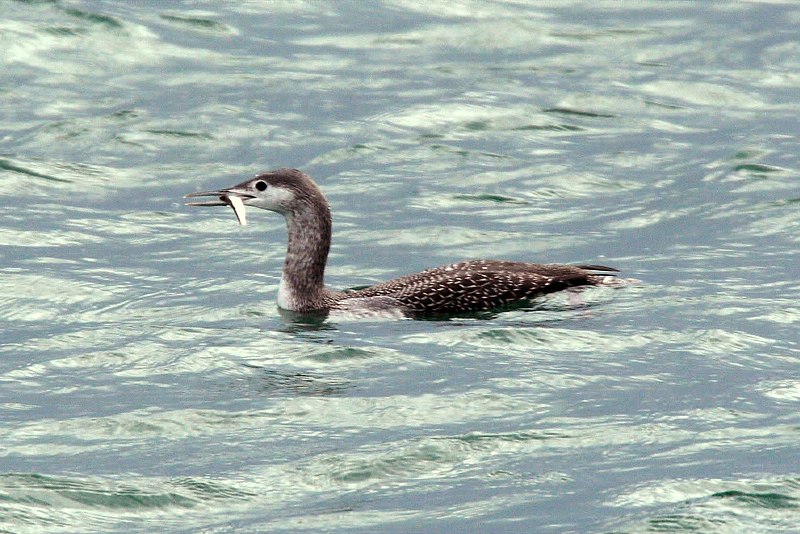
x=460, y=287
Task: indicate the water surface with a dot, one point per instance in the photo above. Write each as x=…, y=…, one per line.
x=150, y=383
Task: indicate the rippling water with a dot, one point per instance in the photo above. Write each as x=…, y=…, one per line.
x=149, y=382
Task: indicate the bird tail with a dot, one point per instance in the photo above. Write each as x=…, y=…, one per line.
x=599, y=268
x=600, y=275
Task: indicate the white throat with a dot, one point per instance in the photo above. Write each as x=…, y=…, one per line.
x=286, y=297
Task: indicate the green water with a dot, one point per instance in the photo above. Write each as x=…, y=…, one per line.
x=148, y=382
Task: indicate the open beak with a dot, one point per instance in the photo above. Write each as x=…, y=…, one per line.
x=233, y=197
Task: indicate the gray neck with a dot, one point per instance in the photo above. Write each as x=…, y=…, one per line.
x=309, y=225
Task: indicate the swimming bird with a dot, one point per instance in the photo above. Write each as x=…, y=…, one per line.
x=467, y=286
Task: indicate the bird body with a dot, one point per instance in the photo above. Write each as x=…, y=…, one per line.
x=466, y=286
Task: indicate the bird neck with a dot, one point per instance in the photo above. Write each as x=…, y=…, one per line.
x=302, y=284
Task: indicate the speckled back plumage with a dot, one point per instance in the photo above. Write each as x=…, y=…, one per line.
x=477, y=285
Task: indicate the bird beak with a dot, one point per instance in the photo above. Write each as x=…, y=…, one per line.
x=234, y=197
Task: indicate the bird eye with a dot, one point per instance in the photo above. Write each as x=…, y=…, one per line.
x=261, y=186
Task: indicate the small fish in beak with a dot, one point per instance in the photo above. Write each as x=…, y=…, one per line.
x=236, y=204
x=225, y=197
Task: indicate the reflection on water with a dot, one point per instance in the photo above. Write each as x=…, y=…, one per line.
x=266, y=382
x=148, y=378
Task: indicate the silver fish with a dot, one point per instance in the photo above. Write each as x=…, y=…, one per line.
x=225, y=199
x=237, y=206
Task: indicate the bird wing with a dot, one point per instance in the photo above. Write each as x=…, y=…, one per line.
x=478, y=285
